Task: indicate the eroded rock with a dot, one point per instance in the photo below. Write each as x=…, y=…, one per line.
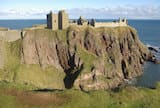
x=91, y=58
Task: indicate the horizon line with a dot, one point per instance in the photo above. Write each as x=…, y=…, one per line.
x=86, y=18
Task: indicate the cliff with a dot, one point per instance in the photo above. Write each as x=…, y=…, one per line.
x=84, y=58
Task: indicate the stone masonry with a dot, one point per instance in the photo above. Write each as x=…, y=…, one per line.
x=57, y=21
x=61, y=21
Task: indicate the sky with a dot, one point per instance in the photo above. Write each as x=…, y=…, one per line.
x=100, y=9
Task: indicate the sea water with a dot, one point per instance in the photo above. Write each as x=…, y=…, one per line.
x=149, y=34
x=19, y=24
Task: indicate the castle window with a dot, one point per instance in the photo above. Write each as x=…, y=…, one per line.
x=55, y=21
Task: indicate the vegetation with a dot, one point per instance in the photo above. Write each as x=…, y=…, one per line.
x=21, y=84
x=128, y=97
x=23, y=74
x=89, y=59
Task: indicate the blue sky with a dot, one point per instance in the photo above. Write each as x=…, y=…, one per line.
x=33, y=9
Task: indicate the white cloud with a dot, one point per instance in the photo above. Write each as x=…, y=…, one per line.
x=24, y=14
x=132, y=12
x=129, y=11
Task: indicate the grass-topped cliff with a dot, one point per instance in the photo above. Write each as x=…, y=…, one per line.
x=80, y=59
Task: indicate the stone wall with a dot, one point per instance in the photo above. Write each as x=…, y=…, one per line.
x=110, y=24
x=4, y=29
x=63, y=20
x=11, y=35
x=57, y=21
x=52, y=21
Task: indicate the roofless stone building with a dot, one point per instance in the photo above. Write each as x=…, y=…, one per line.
x=57, y=21
x=61, y=21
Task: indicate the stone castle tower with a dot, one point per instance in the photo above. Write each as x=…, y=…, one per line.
x=63, y=19
x=52, y=21
x=57, y=21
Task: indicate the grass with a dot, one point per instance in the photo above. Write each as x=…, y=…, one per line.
x=12, y=60
x=62, y=35
x=18, y=80
x=127, y=97
x=88, y=58
x=49, y=77
x=21, y=74
x=13, y=98
x=52, y=35
x=7, y=101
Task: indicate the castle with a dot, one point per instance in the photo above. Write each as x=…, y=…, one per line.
x=61, y=21
x=57, y=21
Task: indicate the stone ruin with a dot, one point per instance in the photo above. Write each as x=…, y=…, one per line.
x=61, y=21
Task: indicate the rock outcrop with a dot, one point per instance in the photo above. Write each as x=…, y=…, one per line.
x=91, y=58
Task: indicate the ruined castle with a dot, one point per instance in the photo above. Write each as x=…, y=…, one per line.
x=57, y=21
x=61, y=21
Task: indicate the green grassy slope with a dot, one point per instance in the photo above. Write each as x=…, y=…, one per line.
x=128, y=97
x=29, y=75
x=17, y=79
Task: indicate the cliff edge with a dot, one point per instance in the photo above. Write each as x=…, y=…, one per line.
x=81, y=57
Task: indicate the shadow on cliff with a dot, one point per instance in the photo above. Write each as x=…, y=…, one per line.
x=73, y=72
x=70, y=63
x=71, y=76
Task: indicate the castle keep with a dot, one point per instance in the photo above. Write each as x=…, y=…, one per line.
x=57, y=21
x=61, y=21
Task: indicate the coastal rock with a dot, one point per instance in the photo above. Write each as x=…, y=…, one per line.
x=154, y=60
x=38, y=48
x=153, y=49
x=85, y=58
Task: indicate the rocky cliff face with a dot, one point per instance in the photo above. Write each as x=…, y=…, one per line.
x=81, y=57
x=91, y=58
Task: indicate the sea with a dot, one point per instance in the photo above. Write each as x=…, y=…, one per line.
x=149, y=34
